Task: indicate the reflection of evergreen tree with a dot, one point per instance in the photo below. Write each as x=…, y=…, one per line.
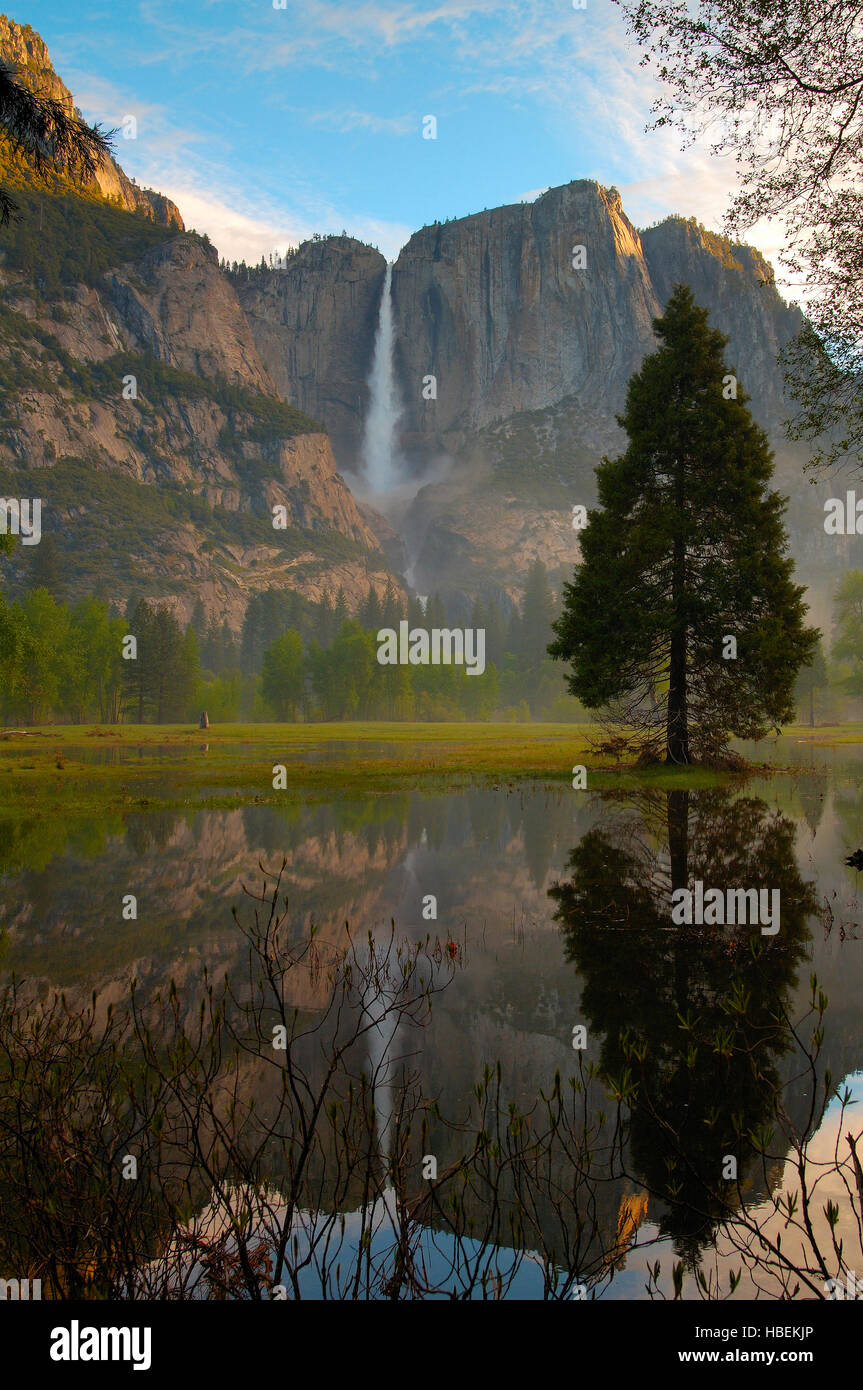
x=848, y=805
x=692, y=1013
x=154, y=829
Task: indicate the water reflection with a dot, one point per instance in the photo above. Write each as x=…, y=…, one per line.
x=559, y=904
x=694, y=1014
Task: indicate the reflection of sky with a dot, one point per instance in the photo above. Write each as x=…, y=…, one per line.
x=440, y=1265
x=630, y=1283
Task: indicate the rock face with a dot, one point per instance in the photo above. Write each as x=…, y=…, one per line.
x=22, y=47
x=176, y=304
x=162, y=483
x=313, y=323
x=736, y=284
x=494, y=307
x=532, y=342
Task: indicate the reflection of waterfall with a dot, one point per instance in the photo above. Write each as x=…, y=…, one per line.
x=380, y=464
x=378, y=1008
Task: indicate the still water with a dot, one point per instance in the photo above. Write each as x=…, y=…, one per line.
x=557, y=904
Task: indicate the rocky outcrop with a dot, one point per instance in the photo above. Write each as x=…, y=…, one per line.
x=177, y=304
x=509, y=317
x=532, y=344
x=313, y=323
x=22, y=47
x=737, y=285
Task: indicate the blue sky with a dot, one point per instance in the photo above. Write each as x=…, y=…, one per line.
x=267, y=124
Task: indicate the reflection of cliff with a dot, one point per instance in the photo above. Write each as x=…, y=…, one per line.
x=489, y=857
x=186, y=874
x=690, y=1014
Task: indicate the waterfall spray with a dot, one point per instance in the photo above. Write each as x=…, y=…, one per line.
x=380, y=462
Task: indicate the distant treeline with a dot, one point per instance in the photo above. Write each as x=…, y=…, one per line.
x=276, y=260
x=296, y=659
x=292, y=659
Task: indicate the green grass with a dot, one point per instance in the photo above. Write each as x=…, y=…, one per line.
x=51, y=795
x=237, y=765
x=827, y=735
x=173, y=771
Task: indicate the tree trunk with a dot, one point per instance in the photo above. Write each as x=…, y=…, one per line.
x=677, y=812
x=812, y=706
x=677, y=728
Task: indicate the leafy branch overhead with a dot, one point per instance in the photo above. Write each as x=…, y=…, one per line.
x=778, y=84
x=41, y=129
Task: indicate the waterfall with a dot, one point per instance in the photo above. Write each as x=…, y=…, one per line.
x=379, y=459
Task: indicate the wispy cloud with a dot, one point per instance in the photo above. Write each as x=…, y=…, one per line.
x=104, y=101
x=258, y=230
x=344, y=121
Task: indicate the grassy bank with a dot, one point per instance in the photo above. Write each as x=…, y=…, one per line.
x=67, y=769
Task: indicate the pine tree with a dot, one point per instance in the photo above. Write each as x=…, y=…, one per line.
x=370, y=611
x=685, y=561
x=137, y=683
x=392, y=611
x=45, y=571
x=537, y=615
x=198, y=620
x=166, y=665
x=41, y=129
x=340, y=612
x=323, y=628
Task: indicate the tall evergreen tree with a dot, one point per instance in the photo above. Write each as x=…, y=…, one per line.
x=684, y=617
x=137, y=684
x=341, y=613
x=370, y=611
x=392, y=611
x=198, y=620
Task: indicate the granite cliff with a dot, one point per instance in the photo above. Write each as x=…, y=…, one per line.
x=516, y=332
x=134, y=403
x=313, y=323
